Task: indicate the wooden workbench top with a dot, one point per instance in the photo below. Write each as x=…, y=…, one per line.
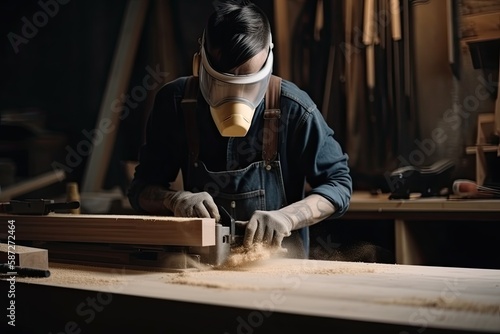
x=411, y=297
x=364, y=201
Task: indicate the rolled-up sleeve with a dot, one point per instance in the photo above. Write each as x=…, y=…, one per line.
x=322, y=160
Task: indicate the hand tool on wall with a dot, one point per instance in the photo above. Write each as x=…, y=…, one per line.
x=370, y=39
x=454, y=36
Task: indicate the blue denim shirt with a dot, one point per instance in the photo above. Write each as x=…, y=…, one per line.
x=308, y=150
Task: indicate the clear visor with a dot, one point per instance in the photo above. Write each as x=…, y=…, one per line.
x=218, y=88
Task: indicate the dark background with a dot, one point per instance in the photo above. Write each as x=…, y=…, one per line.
x=57, y=79
x=53, y=87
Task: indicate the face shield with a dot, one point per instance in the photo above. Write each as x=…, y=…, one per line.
x=233, y=98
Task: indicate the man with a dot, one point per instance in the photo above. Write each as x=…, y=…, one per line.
x=224, y=143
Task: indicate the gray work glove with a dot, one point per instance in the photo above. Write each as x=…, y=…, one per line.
x=267, y=227
x=188, y=204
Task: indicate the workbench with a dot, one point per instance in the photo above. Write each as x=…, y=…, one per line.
x=270, y=296
x=414, y=218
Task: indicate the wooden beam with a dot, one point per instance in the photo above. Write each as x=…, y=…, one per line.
x=116, y=229
x=26, y=257
x=497, y=109
x=165, y=37
x=119, y=78
x=282, y=38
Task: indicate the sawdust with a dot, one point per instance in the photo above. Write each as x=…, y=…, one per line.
x=66, y=274
x=241, y=257
x=216, y=280
x=261, y=269
x=446, y=304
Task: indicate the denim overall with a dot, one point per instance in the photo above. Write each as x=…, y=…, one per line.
x=259, y=186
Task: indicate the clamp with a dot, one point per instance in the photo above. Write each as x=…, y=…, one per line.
x=35, y=206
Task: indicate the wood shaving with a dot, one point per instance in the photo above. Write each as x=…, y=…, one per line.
x=242, y=256
x=213, y=281
x=251, y=269
x=443, y=303
x=66, y=274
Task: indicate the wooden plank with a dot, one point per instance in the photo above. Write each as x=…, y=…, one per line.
x=282, y=38
x=116, y=229
x=497, y=109
x=365, y=202
x=27, y=257
x=407, y=248
x=108, y=120
x=485, y=149
x=272, y=295
x=165, y=37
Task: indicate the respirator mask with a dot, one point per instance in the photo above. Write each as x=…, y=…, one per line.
x=233, y=98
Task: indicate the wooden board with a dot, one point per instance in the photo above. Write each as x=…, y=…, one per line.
x=272, y=296
x=497, y=109
x=122, y=229
x=27, y=257
x=365, y=202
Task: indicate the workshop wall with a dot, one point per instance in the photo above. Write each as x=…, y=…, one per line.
x=54, y=62
x=447, y=90
x=55, y=58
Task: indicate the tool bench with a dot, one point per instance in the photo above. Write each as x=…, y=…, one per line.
x=413, y=218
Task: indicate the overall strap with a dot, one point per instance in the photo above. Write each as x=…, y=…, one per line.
x=189, y=110
x=272, y=115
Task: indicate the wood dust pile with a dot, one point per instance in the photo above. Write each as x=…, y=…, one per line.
x=66, y=274
x=260, y=268
x=242, y=256
x=444, y=303
x=223, y=280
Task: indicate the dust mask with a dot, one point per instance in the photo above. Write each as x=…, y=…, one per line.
x=233, y=98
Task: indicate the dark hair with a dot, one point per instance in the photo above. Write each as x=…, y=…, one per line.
x=236, y=31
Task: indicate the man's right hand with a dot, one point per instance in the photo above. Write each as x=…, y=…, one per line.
x=188, y=204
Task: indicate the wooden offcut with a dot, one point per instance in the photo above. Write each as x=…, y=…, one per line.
x=26, y=257
x=114, y=229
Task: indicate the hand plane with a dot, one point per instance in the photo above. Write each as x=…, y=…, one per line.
x=228, y=234
x=429, y=181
